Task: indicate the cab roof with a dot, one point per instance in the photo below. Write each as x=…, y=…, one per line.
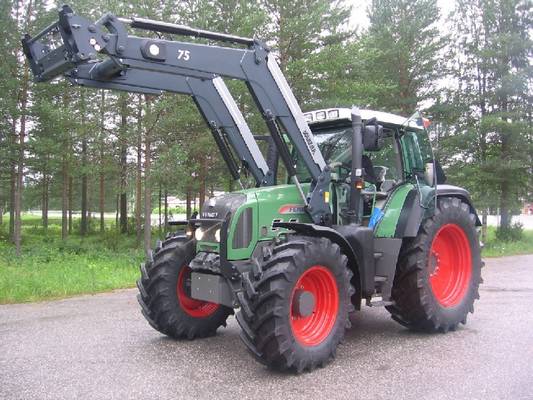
x=330, y=116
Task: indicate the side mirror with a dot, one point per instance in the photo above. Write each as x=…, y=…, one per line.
x=429, y=174
x=373, y=137
x=441, y=176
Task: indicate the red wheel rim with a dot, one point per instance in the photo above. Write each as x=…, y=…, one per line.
x=450, y=265
x=313, y=329
x=195, y=308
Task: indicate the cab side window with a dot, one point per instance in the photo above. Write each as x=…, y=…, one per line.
x=385, y=161
x=417, y=152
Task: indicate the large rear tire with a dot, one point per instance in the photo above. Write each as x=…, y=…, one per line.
x=439, y=272
x=164, y=294
x=298, y=312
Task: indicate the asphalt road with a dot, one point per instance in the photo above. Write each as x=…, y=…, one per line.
x=100, y=347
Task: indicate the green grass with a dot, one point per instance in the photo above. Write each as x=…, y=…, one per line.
x=497, y=248
x=51, y=268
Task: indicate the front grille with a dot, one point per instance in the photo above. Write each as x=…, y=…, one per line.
x=243, y=229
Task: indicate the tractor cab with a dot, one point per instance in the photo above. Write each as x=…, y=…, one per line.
x=396, y=152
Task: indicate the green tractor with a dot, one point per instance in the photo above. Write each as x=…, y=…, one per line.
x=363, y=214
x=414, y=249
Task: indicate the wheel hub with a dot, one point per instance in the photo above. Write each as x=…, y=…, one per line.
x=314, y=306
x=450, y=265
x=303, y=303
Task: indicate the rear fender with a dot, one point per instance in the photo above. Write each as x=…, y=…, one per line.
x=460, y=193
x=413, y=214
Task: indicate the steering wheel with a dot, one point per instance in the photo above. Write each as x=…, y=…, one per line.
x=342, y=165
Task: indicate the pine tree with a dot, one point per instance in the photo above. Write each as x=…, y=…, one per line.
x=402, y=48
x=491, y=139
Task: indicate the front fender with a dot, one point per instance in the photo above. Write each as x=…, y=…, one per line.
x=356, y=242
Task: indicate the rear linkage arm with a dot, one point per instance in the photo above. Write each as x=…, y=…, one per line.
x=149, y=65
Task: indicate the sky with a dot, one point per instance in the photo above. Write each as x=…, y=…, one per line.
x=359, y=7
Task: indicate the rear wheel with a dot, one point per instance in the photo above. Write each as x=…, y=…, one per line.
x=164, y=294
x=439, y=272
x=298, y=312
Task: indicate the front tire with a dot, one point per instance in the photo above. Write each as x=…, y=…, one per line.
x=439, y=272
x=299, y=312
x=165, y=300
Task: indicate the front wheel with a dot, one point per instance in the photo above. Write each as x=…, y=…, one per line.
x=299, y=312
x=164, y=294
x=439, y=272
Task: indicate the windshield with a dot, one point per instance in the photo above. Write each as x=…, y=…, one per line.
x=336, y=147
x=335, y=144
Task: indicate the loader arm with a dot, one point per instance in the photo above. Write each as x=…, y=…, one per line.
x=103, y=54
x=213, y=100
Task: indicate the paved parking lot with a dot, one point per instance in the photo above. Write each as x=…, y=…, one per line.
x=100, y=347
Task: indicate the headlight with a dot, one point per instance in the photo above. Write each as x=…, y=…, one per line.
x=198, y=234
x=217, y=235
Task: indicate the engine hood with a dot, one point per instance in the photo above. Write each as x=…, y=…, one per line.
x=251, y=213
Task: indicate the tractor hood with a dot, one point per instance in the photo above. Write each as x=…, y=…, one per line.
x=249, y=214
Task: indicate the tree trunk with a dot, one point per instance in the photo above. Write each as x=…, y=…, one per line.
x=188, y=203
x=102, y=202
x=22, y=134
x=64, y=200
x=84, y=166
x=83, y=220
x=138, y=175
x=166, y=210
x=70, y=202
x=505, y=215
x=44, y=204
x=89, y=205
x=123, y=165
x=102, y=161
x=123, y=210
x=506, y=184
x=484, y=226
x=20, y=163
x=117, y=206
x=159, y=210
x=147, y=195
x=13, y=185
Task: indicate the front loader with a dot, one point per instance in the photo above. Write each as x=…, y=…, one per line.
x=363, y=216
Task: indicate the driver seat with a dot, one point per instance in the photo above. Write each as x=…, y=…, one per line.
x=368, y=167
